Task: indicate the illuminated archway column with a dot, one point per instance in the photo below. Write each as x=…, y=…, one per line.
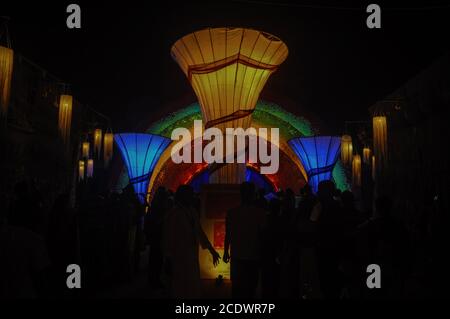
x=318, y=155
x=140, y=153
x=227, y=68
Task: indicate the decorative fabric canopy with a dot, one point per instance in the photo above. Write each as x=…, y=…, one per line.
x=6, y=69
x=140, y=152
x=81, y=170
x=85, y=150
x=227, y=68
x=108, y=148
x=367, y=155
x=65, y=117
x=346, y=149
x=97, y=142
x=318, y=155
x=356, y=170
x=380, y=142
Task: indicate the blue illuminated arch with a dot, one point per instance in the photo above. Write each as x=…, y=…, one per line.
x=251, y=175
x=318, y=155
x=140, y=152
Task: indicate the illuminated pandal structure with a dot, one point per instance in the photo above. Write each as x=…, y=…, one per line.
x=140, y=153
x=318, y=154
x=65, y=117
x=228, y=68
x=97, y=141
x=367, y=155
x=81, y=170
x=90, y=168
x=346, y=149
x=380, y=143
x=108, y=140
x=6, y=70
x=85, y=150
x=356, y=170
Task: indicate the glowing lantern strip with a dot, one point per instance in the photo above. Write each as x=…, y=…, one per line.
x=356, y=171
x=141, y=152
x=81, y=170
x=367, y=155
x=65, y=117
x=85, y=150
x=90, y=168
x=108, y=148
x=97, y=141
x=346, y=149
x=6, y=70
x=380, y=143
x=227, y=68
x=318, y=155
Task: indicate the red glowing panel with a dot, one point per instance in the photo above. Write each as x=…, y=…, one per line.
x=219, y=234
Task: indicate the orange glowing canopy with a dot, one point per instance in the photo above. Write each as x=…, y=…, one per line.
x=6, y=69
x=227, y=68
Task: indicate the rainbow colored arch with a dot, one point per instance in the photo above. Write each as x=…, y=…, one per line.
x=291, y=173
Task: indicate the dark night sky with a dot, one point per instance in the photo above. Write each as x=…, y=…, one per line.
x=119, y=62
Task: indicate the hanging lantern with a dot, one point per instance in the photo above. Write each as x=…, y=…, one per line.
x=108, y=148
x=85, y=150
x=367, y=155
x=227, y=69
x=97, y=141
x=380, y=145
x=141, y=152
x=80, y=170
x=318, y=155
x=356, y=171
x=65, y=117
x=374, y=169
x=346, y=149
x=6, y=70
x=90, y=168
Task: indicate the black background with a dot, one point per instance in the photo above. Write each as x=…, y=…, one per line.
x=119, y=61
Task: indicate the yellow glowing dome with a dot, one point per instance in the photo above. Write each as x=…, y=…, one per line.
x=227, y=68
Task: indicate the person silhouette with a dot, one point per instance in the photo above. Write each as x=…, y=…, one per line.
x=270, y=274
x=244, y=231
x=24, y=261
x=389, y=247
x=153, y=231
x=327, y=214
x=182, y=234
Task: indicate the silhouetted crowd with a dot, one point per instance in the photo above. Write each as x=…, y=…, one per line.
x=279, y=245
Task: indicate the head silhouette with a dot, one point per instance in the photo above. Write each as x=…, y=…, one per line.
x=289, y=199
x=274, y=207
x=306, y=190
x=247, y=192
x=326, y=190
x=184, y=195
x=160, y=199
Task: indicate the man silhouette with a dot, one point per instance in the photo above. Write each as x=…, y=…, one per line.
x=244, y=225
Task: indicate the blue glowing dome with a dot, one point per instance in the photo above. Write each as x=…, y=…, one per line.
x=318, y=155
x=140, y=152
